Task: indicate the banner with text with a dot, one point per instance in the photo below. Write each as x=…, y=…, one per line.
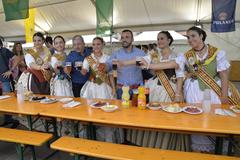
x=223, y=15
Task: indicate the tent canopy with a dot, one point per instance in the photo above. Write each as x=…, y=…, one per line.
x=70, y=17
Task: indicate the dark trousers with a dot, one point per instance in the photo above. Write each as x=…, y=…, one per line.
x=76, y=87
x=120, y=92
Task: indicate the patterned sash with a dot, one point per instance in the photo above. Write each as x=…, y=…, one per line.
x=45, y=75
x=163, y=77
x=101, y=74
x=234, y=99
x=211, y=83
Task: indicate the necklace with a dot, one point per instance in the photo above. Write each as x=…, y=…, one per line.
x=200, y=49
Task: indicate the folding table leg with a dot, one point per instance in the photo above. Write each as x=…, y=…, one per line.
x=30, y=123
x=75, y=128
x=55, y=131
x=219, y=145
x=230, y=145
x=76, y=157
x=91, y=131
x=20, y=151
x=33, y=152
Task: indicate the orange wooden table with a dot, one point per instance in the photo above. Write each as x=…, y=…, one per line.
x=12, y=106
x=131, y=117
x=147, y=119
x=150, y=120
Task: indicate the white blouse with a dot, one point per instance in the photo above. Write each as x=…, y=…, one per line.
x=29, y=59
x=171, y=57
x=54, y=61
x=222, y=62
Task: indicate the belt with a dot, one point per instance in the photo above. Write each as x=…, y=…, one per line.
x=135, y=86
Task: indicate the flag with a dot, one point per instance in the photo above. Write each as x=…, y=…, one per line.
x=104, y=12
x=223, y=15
x=15, y=9
x=29, y=24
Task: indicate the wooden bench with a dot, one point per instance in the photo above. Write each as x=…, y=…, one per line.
x=22, y=138
x=106, y=150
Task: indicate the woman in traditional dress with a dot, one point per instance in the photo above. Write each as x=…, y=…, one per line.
x=38, y=74
x=100, y=85
x=38, y=64
x=60, y=83
x=200, y=61
x=98, y=81
x=165, y=86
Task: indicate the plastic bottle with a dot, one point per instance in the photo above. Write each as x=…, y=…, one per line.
x=125, y=97
x=135, y=98
x=20, y=92
x=206, y=103
x=147, y=90
x=141, y=98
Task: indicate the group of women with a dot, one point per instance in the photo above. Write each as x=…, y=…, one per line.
x=179, y=69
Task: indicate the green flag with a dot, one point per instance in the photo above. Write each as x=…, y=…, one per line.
x=104, y=11
x=15, y=9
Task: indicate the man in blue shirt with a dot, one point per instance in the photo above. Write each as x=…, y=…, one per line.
x=130, y=75
x=77, y=55
x=5, y=74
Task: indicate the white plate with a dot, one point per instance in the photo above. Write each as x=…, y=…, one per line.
x=4, y=96
x=170, y=111
x=94, y=103
x=235, y=109
x=186, y=107
x=155, y=108
x=48, y=100
x=65, y=100
x=107, y=109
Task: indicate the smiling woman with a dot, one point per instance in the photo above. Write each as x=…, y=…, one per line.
x=100, y=85
x=37, y=61
x=60, y=84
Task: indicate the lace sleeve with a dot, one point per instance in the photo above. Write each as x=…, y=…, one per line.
x=29, y=59
x=222, y=61
x=181, y=61
x=86, y=64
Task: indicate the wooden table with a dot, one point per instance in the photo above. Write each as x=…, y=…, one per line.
x=12, y=106
x=209, y=124
x=133, y=117
x=146, y=119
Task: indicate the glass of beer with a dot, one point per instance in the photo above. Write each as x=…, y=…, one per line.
x=78, y=65
x=68, y=65
x=114, y=64
x=59, y=65
x=135, y=98
x=114, y=67
x=138, y=61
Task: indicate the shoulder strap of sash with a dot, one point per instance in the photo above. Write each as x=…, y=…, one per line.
x=162, y=77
